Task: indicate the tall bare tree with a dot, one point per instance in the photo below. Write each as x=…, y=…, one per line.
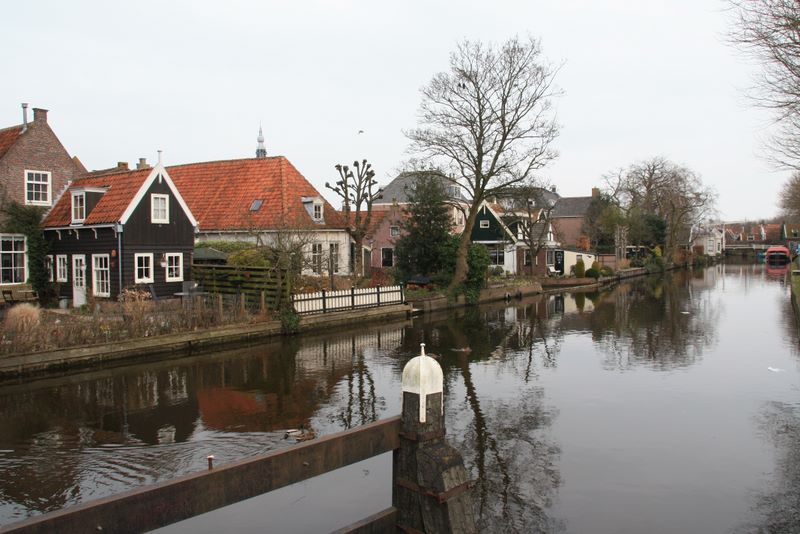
x=357, y=191
x=529, y=208
x=769, y=31
x=789, y=198
x=487, y=122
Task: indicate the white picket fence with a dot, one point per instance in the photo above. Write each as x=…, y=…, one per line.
x=347, y=299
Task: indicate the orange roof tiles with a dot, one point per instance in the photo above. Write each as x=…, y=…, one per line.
x=220, y=194
x=121, y=188
x=9, y=136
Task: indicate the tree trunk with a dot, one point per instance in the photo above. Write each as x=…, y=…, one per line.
x=358, y=264
x=463, y=249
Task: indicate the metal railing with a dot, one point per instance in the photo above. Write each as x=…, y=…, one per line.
x=347, y=299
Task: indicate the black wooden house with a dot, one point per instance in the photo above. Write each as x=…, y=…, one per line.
x=119, y=230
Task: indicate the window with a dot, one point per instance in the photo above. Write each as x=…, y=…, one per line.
x=144, y=268
x=387, y=257
x=316, y=257
x=61, y=268
x=550, y=258
x=527, y=258
x=174, y=266
x=334, y=257
x=159, y=209
x=101, y=275
x=484, y=223
x=719, y=246
x=751, y=238
x=48, y=265
x=317, y=212
x=256, y=205
x=37, y=188
x=394, y=231
x=12, y=259
x=497, y=255
x=78, y=207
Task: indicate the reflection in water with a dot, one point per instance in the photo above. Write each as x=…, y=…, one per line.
x=564, y=406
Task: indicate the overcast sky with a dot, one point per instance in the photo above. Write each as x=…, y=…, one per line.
x=195, y=79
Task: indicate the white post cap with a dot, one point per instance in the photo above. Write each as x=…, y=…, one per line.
x=423, y=375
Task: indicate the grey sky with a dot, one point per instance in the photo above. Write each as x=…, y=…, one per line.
x=195, y=78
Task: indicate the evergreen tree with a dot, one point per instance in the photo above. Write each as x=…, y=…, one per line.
x=426, y=230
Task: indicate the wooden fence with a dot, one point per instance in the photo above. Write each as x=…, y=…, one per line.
x=247, y=281
x=347, y=299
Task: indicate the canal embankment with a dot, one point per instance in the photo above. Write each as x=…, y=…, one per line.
x=74, y=359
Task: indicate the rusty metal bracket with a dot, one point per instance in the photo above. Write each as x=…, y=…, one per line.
x=440, y=497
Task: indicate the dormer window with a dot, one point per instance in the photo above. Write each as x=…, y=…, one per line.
x=317, y=212
x=159, y=209
x=78, y=207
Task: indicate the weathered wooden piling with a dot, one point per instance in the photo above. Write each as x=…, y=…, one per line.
x=431, y=489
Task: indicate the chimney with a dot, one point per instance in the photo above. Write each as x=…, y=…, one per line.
x=553, y=189
x=24, y=117
x=142, y=164
x=122, y=165
x=595, y=192
x=40, y=115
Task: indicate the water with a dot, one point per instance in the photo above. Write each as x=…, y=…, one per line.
x=664, y=405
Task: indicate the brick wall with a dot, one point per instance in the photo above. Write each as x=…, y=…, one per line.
x=37, y=149
x=569, y=231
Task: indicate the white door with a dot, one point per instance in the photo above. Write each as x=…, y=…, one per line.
x=78, y=280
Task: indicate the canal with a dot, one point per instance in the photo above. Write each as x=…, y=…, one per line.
x=664, y=405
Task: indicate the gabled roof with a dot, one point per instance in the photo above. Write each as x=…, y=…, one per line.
x=571, y=207
x=397, y=190
x=9, y=136
x=123, y=192
x=495, y=210
x=221, y=194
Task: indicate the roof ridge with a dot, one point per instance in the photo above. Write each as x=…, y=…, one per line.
x=225, y=161
x=12, y=127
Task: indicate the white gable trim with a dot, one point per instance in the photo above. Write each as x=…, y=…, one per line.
x=485, y=206
x=157, y=170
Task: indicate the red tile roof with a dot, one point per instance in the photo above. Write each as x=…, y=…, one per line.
x=9, y=136
x=220, y=194
x=121, y=188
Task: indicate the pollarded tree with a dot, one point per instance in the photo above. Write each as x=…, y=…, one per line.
x=426, y=229
x=487, y=123
x=357, y=191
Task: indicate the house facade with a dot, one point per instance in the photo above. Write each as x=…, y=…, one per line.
x=113, y=231
x=709, y=240
x=34, y=169
x=568, y=216
x=264, y=200
x=490, y=230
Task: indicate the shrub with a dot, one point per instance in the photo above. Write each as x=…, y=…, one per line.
x=592, y=273
x=290, y=321
x=595, y=266
x=22, y=319
x=251, y=257
x=605, y=270
x=497, y=271
x=580, y=269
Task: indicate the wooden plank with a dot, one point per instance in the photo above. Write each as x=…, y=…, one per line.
x=161, y=504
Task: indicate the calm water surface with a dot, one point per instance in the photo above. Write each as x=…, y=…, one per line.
x=664, y=405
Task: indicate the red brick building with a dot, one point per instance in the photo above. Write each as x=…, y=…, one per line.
x=35, y=169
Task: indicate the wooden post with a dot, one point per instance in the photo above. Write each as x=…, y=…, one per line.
x=220, y=310
x=431, y=489
x=263, y=302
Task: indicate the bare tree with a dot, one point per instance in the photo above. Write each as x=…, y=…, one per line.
x=487, y=122
x=673, y=193
x=789, y=198
x=357, y=194
x=529, y=208
x=768, y=31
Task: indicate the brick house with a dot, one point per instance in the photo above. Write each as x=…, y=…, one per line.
x=35, y=169
x=568, y=216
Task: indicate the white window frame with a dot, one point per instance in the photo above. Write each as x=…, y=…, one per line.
x=171, y=256
x=317, y=211
x=484, y=223
x=153, y=216
x=62, y=266
x=316, y=258
x=48, y=192
x=394, y=231
x=82, y=196
x=143, y=279
x=21, y=255
x=98, y=291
